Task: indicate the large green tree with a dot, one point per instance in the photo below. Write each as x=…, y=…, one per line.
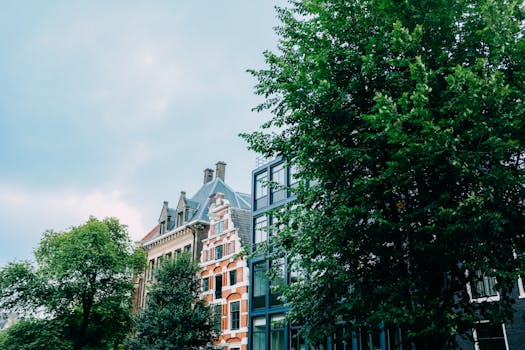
x=80, y=287
x=407, y=119
x=175, y=317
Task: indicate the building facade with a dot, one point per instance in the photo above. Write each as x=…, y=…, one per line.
x=184, y=227
x=224, y=272
x=268, y=329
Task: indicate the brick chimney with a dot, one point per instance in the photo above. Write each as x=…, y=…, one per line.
x=208, y=175
x=220, y=170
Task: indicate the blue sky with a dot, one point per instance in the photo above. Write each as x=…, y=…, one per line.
x=108, y=108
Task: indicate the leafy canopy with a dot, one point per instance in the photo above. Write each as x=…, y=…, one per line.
x=175, y=317
x=407, y=119
x=81, y=283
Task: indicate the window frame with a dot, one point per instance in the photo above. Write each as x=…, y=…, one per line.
x=230, y=274
x=237, y=317
x=476, y=339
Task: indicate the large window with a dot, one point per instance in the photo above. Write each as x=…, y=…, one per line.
x=277, y=332
x=261, y=190
x=261, y=230
x=259, y=333
x=259, y=286
x=218, y=286
x=490, y=336
x=217, y=314
x=278, y=183
x=235, y=314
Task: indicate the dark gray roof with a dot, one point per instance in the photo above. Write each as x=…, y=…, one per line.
x=199, y=206
x=200, y=202
x=241, y=221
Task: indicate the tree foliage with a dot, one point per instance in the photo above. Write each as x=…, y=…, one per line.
x=82, y=282
x=407, y=118
x=35, y=334
x=175, y=317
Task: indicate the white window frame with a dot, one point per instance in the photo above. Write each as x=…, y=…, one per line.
x=481, y=299
x=475, y=335
x=230, y=315
x=521, y=289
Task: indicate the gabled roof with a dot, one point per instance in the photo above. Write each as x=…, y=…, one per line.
x=153, y=233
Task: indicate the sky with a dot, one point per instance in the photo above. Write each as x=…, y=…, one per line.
x=109, y=108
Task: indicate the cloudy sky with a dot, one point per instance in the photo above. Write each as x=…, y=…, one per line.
x=108, y=108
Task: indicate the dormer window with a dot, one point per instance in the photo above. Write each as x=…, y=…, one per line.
x=180, y=218
x=163, y=227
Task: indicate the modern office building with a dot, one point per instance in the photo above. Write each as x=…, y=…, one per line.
x=268, y=329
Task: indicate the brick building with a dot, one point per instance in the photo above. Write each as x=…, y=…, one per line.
x=225, y=274
x=184, y=227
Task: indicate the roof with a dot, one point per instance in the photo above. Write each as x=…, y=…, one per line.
x=200, y=202
x=199, y=206
x=154, y=232
x=241, y=221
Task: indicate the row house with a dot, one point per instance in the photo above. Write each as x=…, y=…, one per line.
x=224, y=272
x=184, y=227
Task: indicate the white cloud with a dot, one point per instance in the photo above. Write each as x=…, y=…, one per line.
x=38, y=210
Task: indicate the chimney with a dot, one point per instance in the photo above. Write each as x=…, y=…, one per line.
x=208, y=175
x=220, y=170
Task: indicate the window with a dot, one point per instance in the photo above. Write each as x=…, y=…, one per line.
x=292, y=178
x=233, y=277
x=278, y=183
x=277, y=281
x=259, y=333
x=217, y=313
x=490, y=336
x=218, y=286
x=261, y=190
x=187, y=249
x=219, y=227
x=218, y=252
x=205, y=284
x=521, y=290
x=259, y=286
x=180, y=218
x=483, y=287
x=151, y=268
x=230, y=248
x=235, y=314
x=277, y=332
x=296, y=340
x=261, y=230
